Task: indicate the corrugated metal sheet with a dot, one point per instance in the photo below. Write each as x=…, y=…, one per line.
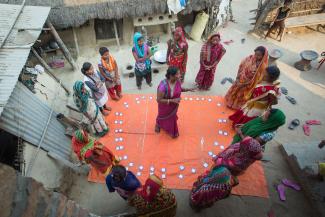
x=16, y=49
x=25, y=116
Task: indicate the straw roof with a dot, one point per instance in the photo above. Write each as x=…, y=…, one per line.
x=67, y=13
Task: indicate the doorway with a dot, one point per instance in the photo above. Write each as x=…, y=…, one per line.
x=105, y=29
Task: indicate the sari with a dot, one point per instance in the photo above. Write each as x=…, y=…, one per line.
x=178, y=52
x=258, y=126
x=249, y=75
x=87, y=106
x=167, y=113
x=98, y=89
x=126, y=188
x=154, y=200
x=109, y=68
x=92, y=152
x=212, y=186
x=260, y=102
x=239, y=156
x=210, y=57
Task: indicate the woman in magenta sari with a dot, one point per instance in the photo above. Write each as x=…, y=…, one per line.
x=168, y=98
x=211, y=53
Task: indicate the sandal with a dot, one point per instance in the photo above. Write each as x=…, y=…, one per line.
x=284, y=90
x=306, y=129
x=231, y=81
x=281, y=191
x=321, y=144
x=291, y=184
x=295, y=123
x=224, y=80
x=291, y=99
x=313, y=122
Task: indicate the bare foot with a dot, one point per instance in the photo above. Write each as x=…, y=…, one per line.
x=108, y=108
x=105, y=113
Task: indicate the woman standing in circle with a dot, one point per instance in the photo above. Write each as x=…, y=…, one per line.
x=250, y=73
x=141, y=54
x=168, y=98
x=177, y=52
x=96, y=84
x=211, y=53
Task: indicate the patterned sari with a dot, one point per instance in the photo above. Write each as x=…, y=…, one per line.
x=154, y=200
x=92, y=152
x=167, y=113
x=261, y=100
x=212, y=186
x=239, y=156
x=178, y=52
x=249, y=75
x=210, y=57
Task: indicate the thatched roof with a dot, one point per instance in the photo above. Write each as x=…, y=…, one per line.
x=67, y=13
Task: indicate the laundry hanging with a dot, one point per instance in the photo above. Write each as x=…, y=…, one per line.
x=176, y=6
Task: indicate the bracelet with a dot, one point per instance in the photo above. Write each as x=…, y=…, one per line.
x=167, y=101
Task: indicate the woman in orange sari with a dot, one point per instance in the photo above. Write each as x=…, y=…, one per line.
x=92, y=152
x=250, y=73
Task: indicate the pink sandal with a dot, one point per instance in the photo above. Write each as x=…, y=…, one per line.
x=306, y=129
x=291, y=184
x=281, y=191
x=313, y=122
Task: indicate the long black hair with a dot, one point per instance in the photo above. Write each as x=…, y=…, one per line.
x=85, y=67
x=171, y=71
x=273, y=72
x=118, y=173
x=261, y=49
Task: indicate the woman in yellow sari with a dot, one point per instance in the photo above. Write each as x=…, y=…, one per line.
x=250, y=73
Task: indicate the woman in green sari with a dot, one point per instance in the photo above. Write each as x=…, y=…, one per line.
x=261, y=128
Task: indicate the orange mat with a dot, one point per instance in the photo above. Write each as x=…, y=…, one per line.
x=204, y=131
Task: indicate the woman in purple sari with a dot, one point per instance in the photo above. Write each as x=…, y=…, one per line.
x=168, y=98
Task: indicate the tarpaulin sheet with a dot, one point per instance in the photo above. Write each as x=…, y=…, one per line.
x=204, y=132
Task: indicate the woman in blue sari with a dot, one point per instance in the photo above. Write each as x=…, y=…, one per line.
x=141, y=54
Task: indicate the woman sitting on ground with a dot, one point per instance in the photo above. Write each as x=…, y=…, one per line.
x=122, y=181
x=263, y=97
x=168, y=98
x=212, y=186
x=92, y=152
x=153, y=199
x=96, y=83
x=87, y=106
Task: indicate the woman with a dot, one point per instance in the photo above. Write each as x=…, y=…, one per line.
x=153, y=199
x=141, y=54
x=168, y=98
x=122, y=181
x=211, y=53
x=96, y=84
x=263, y=97
x=92, y=152
x=262, y=128
x=250, y=73
x=239, y=156
x=108, y=69
x=177, y=52
x=87, y=106
x=212, y=186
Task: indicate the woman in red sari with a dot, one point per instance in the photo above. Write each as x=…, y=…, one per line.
x=92, y=152
x=168, y=98
x=211, y=53
x=177, y=52
x=263, y=97
x=250, y=73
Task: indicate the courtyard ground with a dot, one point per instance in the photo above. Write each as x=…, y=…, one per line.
x=306, y=87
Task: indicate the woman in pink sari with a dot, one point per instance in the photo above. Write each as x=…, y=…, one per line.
x=168, y=98
x=177, y=52
x=211, y=53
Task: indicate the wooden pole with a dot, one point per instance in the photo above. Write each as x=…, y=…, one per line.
x=61, y=45
x=75, y=41
x=266, y=8
x=49, y=70
x=116, y=34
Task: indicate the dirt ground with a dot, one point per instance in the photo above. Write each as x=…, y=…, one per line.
x=306, y=87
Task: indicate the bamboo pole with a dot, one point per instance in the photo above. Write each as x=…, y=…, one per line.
x=116, y=34
x=75, y=41
x=49, y=70
x=61, y=45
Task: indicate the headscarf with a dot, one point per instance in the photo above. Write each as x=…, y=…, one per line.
x=206, y=48
x=80, y=139
x=80, y=98
x=182, y=41
x=141, y=51
x=218, y=174
x=257, y=126
x=151, y=188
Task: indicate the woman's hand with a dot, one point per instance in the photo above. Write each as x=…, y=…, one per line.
x=176, y=100
x=266, y=115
